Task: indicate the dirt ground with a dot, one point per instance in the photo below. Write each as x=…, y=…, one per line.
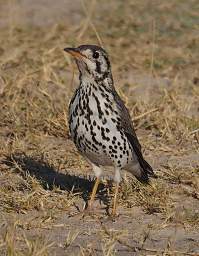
x=44, y=182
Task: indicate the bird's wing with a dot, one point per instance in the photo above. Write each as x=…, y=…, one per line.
x=127, y=126
x=125, y=120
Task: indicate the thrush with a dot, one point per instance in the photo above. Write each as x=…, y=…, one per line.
x=100, y=124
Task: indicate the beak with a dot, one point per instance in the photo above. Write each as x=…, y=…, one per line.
x=74, y=52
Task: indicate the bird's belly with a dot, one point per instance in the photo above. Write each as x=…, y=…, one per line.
x=99, y=140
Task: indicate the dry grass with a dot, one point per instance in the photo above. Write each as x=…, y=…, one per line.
x=44, y=181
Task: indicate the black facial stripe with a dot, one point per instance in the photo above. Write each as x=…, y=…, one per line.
x=107, y=62
x=98, y=67
x=105, y=75
x=86, y=67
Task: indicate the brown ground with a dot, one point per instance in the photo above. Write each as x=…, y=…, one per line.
x=44, y=182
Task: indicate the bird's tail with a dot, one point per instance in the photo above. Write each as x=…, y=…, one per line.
x=145, y=170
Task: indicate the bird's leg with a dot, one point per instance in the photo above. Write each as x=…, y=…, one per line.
x=98, y=171
x=90, y=203
x=117, y=179
x=115, y=200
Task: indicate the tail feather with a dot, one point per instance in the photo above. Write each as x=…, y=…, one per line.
x=146, y=169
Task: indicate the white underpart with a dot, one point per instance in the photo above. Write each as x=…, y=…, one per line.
x=102, y=159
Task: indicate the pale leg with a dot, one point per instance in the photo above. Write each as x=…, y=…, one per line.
x=115, y=200
x=98, y=171
x=117, y=180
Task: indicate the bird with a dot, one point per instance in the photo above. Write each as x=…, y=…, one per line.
x=100, y=124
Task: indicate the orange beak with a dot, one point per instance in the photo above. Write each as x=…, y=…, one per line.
x=75, y=53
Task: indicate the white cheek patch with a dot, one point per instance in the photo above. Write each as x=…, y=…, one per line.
x=91, y=65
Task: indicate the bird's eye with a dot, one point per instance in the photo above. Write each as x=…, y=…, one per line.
x=96, y=55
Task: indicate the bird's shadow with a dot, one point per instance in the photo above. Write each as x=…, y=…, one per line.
x=50, y=178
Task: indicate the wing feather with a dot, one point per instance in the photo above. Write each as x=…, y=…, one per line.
x=127, y=126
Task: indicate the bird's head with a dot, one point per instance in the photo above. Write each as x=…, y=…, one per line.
x=92, y=61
